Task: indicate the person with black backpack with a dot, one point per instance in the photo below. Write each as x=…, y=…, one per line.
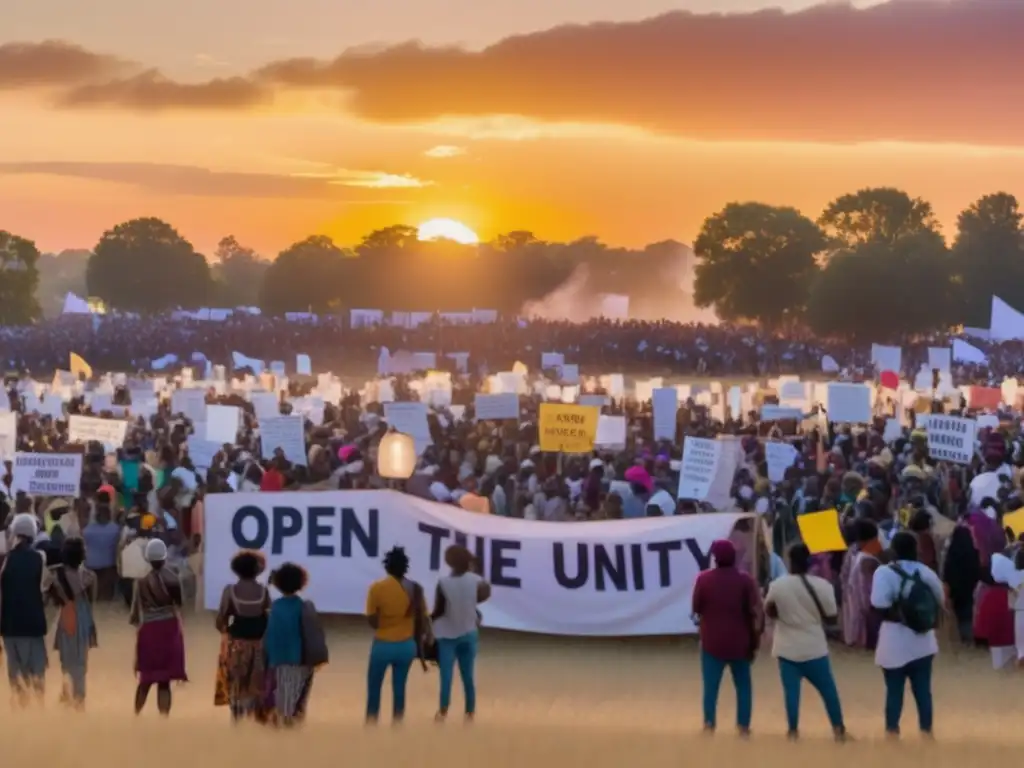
x=909, y=596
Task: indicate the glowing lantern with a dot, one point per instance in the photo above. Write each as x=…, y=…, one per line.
x=396, y=456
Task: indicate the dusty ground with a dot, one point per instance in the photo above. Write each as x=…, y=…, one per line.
x=542, y=701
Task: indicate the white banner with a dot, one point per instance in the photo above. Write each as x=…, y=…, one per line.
x=82, y=429
x=614, y=578
x=496, y=407
x=47, y=474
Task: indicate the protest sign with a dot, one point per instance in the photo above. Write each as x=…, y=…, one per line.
x=567, y=428
x=410, y=419
x=47, y=474
x=780, y=457
x=496, y=407
x=701, y=457
x=287, y=433
x=820, y=531
x=82, y=429
x=951, y=438
x=849, y=403
x=666, y=405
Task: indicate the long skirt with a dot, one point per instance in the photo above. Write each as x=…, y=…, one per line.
x=160, y=652
x=993, y=623
x=240, y=677
x=286, y=690
x=75, y=635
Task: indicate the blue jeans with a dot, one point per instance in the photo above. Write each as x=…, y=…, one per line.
x=712, y=669
x=817, y=672
x=919, y=673
x=383, y=654
x=463, y=650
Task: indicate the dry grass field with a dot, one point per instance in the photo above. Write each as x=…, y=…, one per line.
x=543, y=701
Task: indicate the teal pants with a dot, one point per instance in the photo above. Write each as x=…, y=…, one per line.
x=384, y=655
x=461, y=650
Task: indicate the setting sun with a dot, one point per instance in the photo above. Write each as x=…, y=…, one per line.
x=447, y=229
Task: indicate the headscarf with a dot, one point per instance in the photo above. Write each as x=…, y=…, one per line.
x=724, y=553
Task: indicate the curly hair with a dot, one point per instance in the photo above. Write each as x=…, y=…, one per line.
x=248, y=564
x=290, y=579
x=458, y=558
x=396, y=562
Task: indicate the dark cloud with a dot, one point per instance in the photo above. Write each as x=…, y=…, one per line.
x=55, y=63
x=151, y=91
x=191, y=180
x=907, y=70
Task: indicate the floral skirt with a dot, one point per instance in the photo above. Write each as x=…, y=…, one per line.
x=240, y=677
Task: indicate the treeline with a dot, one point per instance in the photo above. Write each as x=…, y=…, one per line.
x=873, y=266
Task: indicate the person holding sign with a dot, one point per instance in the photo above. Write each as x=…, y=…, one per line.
x=727, y=606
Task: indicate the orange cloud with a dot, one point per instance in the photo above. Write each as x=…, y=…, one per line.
x=903, y=71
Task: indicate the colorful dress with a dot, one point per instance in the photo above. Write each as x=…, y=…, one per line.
x=240, y=668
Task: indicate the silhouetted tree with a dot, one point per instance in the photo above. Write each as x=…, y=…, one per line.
x=19, y=278
x=144, y=265
x=308, y=276
x=756, y=262
x=238, y=274
x=988, y=257
x=880, y=213
x=879, y=291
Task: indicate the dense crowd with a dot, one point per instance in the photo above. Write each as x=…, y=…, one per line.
x=134, y=531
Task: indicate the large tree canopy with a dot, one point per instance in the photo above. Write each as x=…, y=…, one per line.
x=880, y=213
x=756, y=262
x=307, y=277
x=19, y=278
x=238, y=274
x=988, y=257
x=144, y=265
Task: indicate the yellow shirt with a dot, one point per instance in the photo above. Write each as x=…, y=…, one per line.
x=388, y=599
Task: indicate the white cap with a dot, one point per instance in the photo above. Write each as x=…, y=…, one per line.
x=156, y=551
x=25, y=525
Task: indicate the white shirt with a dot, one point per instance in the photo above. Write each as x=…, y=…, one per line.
x=799, y=634
x=987, y=484
x=459, y=617
x=898, y=645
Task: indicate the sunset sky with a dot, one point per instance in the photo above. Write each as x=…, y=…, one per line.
x=631, y=120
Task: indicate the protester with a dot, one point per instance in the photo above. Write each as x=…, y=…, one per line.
x=455, y=619
x=24, y=579
x=160, y=645
x=290, y=677
x=910, y=595
x=396, y=611
x=242, y=621
x=803, y=606
x=74, y=589
x=860, y=621
x=727, y=603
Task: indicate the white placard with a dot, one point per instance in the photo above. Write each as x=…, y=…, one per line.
x=265, y=405
x=940, y=357
x=893, y=430
x=287, y=433
x=411, y=419
x=550, y=579
x=611, y=431
x=47, y=474
x=202, y=451
x=780, y=457
x=303, y=365
x=701, y=457
x=191, y=403
x=781, y=413
x=8, y=435
x=666, y=405
x=886, y=358
x=951, y=438
x=222, y=424
x=849, y=403
x=82, y=429
x=496, y=407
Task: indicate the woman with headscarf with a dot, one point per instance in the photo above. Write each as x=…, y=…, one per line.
x=727, y=605
x=160, y=645
x=74, y=590
x=242, y=621
x=397, y=612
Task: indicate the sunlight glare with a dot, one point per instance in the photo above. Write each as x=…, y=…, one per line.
x=447, y=229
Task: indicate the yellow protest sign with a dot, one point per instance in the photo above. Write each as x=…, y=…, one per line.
x=78, y=366
x=820, y=531
x=568, y=428
x=1015, y=522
